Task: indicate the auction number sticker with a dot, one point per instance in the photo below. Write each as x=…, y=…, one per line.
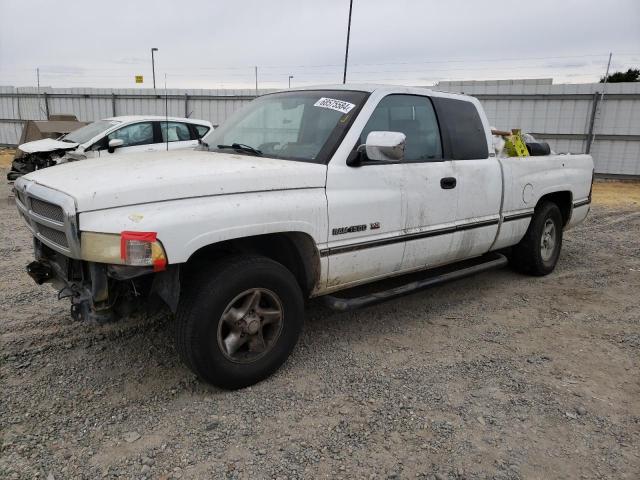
x=338, y=105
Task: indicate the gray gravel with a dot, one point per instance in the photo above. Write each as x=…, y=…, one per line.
x=497, y=376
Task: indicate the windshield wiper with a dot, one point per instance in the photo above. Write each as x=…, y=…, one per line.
x=241, y=147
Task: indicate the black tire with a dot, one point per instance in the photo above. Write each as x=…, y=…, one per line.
x=527, y=256
x=207, y=295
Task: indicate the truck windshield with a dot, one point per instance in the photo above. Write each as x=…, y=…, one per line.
x=86, y=133
x=302, y=125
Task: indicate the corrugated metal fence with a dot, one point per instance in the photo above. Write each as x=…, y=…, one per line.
x=569, y=117
x=89, y=104
x=572, y=118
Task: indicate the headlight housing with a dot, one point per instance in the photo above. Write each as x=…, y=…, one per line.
x=141, y=249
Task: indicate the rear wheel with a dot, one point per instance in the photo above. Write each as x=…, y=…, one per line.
x=539, y=250
x=239, y=320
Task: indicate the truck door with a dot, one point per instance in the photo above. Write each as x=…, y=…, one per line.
x=431, y=198
x=478, y=179
x=366, y=214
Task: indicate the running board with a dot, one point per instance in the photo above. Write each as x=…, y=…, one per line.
x=488, y=262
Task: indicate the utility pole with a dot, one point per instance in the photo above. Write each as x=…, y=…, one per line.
x=153, y=67
x=290, y=77
x=255, y=69
x=45, y=111
x=597, y=106
x=346, y=53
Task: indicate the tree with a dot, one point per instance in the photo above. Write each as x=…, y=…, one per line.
x=631, y=75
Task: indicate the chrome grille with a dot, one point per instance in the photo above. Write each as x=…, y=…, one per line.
x=21, y=197
x=50, y=215
x=55, y=236
x=47, y=210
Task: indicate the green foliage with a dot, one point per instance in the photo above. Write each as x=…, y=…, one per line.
x=631, y=75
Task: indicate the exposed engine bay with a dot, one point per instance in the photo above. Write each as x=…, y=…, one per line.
x=29, y=162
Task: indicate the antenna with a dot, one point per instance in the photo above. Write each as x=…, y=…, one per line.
x=166, y=112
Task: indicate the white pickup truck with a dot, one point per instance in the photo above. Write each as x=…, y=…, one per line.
x=303, y=193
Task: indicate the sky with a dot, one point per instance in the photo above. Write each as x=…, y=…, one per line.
x=218, y=44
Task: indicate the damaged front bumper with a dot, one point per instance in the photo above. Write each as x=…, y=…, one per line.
x=98, y=291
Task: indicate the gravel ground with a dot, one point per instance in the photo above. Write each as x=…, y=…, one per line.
x=497, y=376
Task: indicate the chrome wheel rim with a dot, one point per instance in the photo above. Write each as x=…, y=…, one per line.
x=548, y=240
x=250, y=325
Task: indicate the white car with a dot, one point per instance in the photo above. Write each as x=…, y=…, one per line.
x=111, y=136
x=305, y=193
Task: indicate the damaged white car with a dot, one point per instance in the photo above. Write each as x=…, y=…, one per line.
x=110, y=136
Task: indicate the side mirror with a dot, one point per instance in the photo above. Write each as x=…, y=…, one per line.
x=115, y=143
x=385, y=146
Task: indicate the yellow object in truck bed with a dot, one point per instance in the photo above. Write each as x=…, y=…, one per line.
x=515, y=145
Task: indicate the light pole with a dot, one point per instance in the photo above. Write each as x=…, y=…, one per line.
x=290, y=77
x=346, y=53
x=153, y=67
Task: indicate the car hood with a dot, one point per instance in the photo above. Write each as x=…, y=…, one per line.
x=118, y=181
x=47, y=145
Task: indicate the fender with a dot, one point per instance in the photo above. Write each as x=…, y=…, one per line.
x=184, y=226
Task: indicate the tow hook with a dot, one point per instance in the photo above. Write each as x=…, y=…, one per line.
x=40, y=272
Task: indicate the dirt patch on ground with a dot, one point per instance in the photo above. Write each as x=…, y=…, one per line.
x=616, y=194
x=6, y=157
x=497, y=376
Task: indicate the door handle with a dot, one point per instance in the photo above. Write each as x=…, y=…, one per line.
x=448, y=183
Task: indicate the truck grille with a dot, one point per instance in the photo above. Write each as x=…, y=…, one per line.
x=47, y=210
x=55, y=236
x=50, y=215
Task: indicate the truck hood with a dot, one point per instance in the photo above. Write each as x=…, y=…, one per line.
x=123, y=180
x=47, y=145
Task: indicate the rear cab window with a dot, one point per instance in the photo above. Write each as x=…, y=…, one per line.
x=463, y=135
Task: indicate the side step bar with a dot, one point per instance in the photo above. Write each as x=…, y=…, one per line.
x=491, y=261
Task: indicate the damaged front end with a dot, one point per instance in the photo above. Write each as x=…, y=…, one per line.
x=105, y=276
x=41, y=154
x=30, y=162
x=101, y=292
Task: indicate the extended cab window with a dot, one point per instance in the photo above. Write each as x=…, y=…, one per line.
x=414, y=116
x=462, y=131
x=135, y=134
x=177, y=132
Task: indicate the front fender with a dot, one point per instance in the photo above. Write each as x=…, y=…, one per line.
x=184, y=226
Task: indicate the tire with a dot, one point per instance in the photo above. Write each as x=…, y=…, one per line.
x=219, y=308
x=532, y=255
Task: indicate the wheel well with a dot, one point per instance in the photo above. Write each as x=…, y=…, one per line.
x=295, y=250
x=564, y=202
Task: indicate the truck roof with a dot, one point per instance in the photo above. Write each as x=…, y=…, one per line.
x=372, y=87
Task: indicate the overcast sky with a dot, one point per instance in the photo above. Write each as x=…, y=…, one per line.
x=216, y=44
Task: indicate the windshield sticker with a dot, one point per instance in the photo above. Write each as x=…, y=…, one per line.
x=338, y=105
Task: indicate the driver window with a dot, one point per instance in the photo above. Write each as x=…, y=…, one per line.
x=414, y=116
x=136, y=134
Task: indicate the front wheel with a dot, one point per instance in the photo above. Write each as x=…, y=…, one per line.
x=539, y=250
x=239, y=320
